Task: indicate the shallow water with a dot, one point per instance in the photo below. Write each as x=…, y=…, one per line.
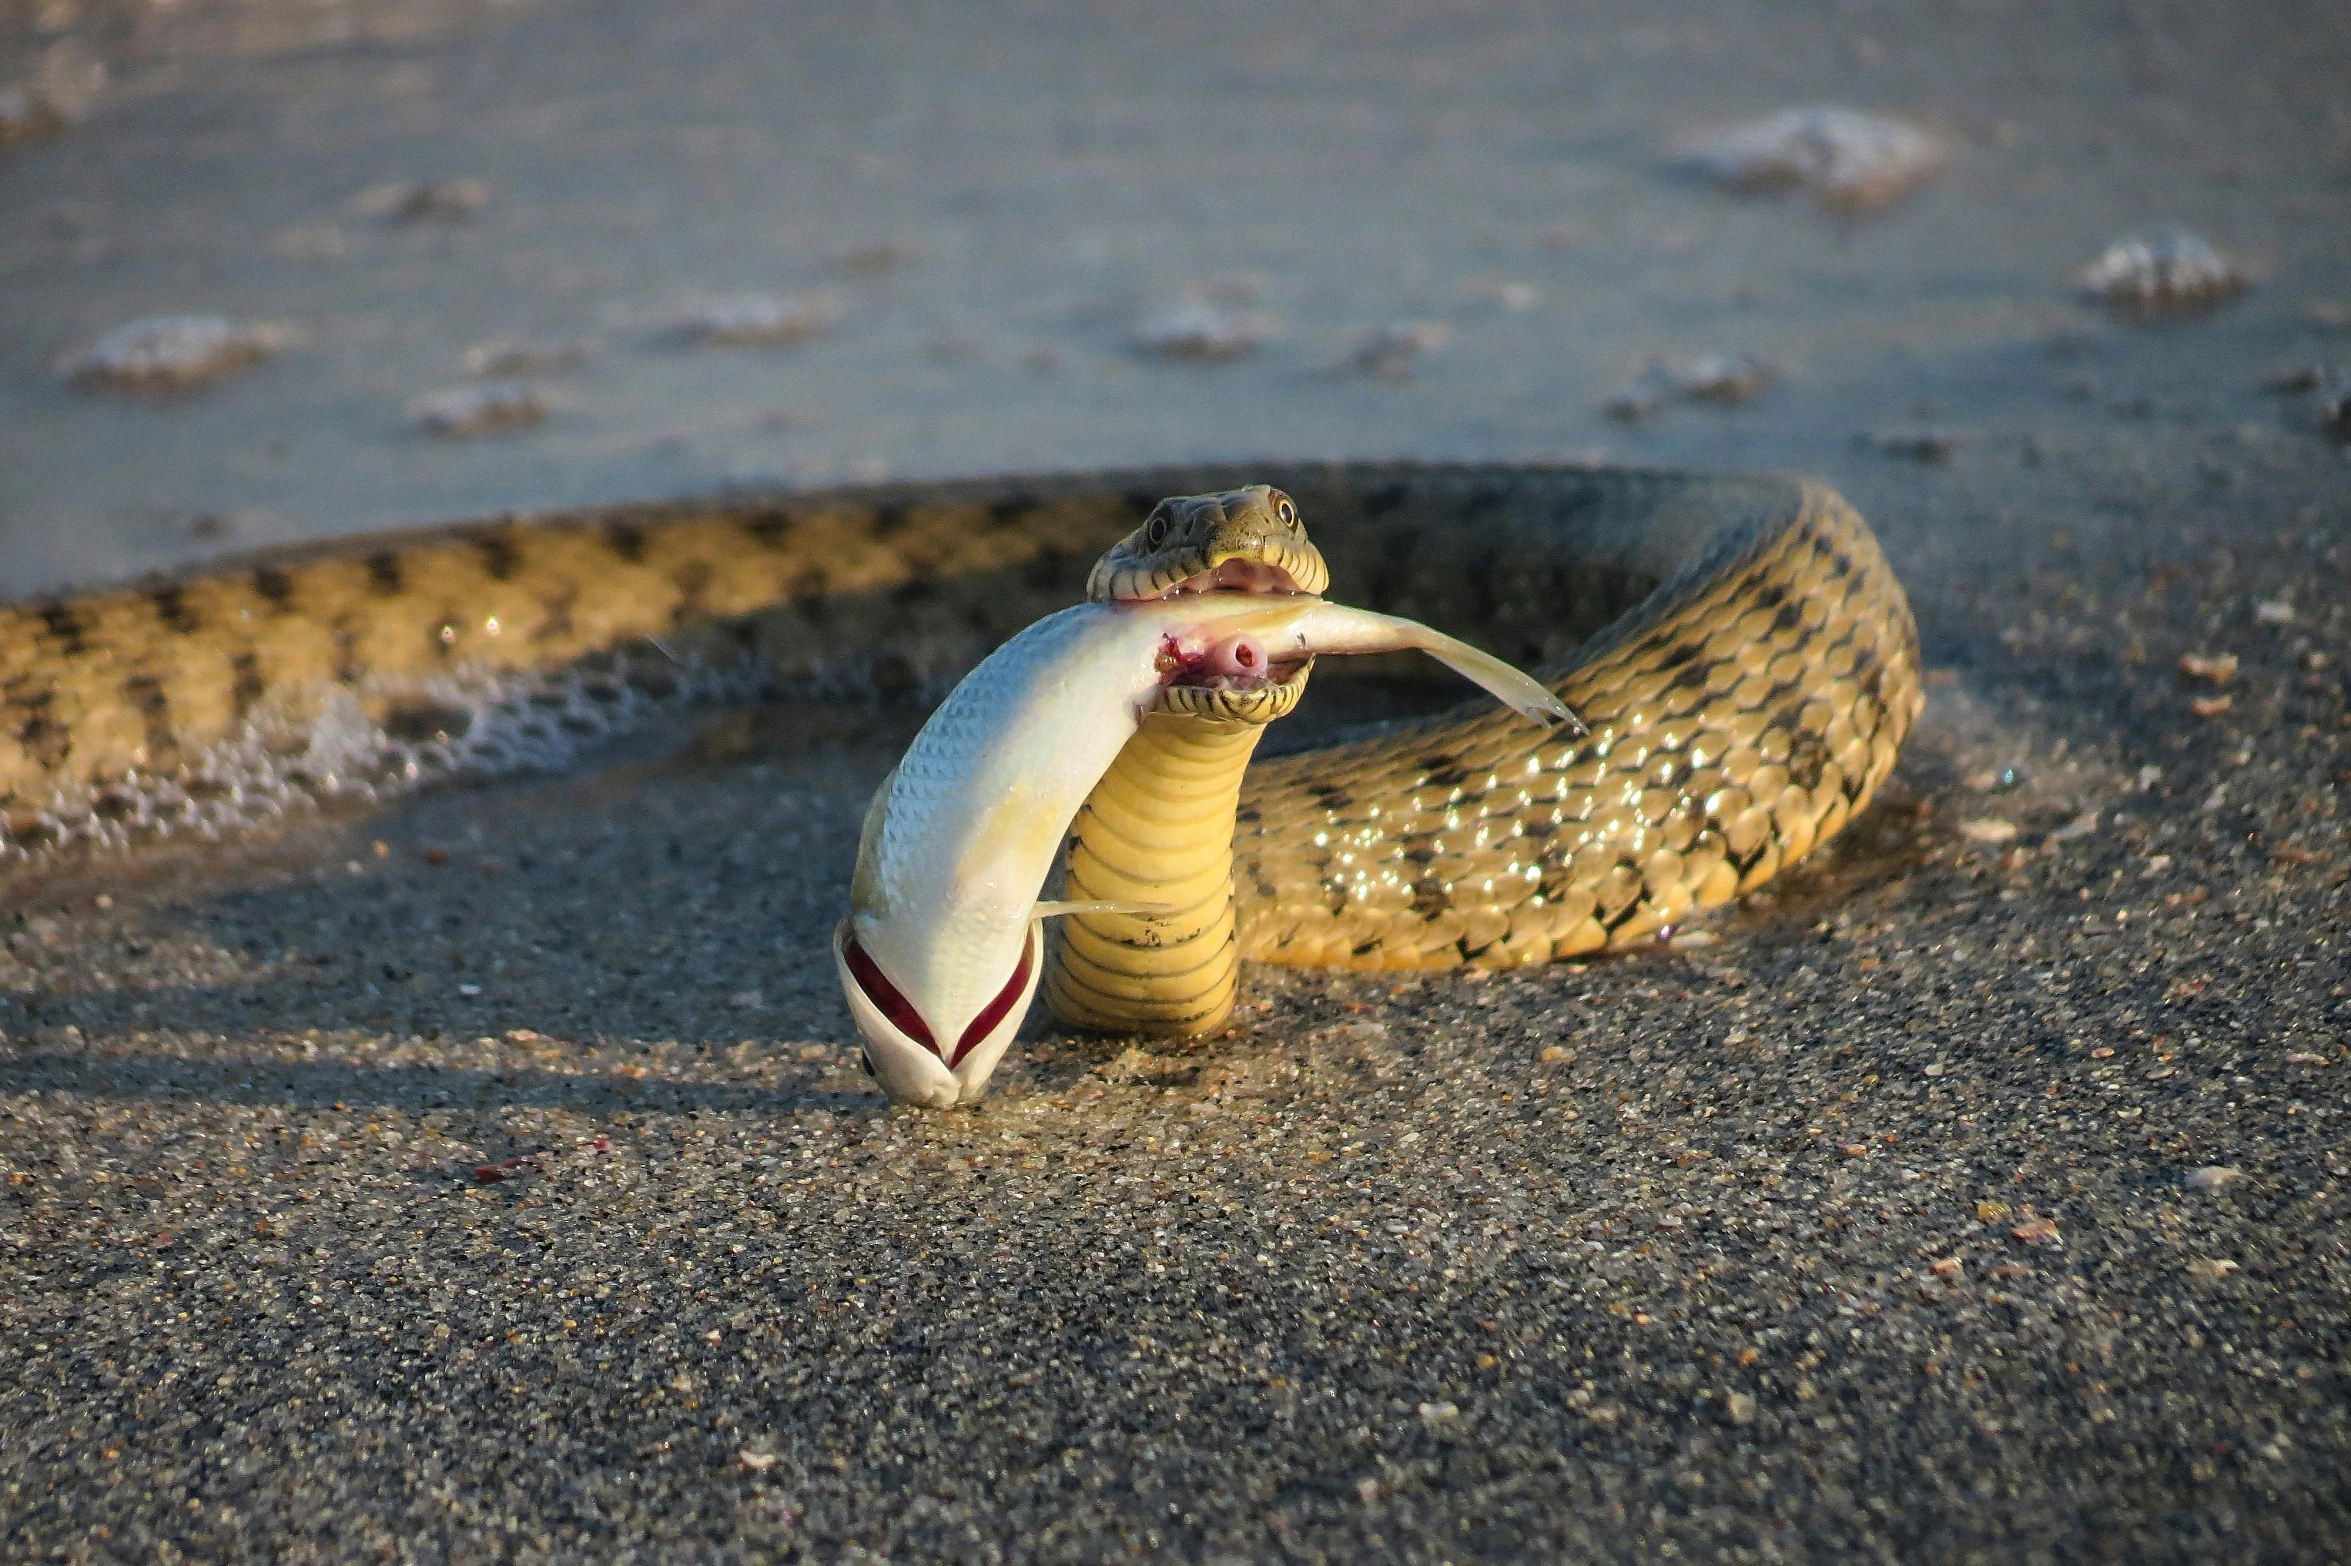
x=994, y=203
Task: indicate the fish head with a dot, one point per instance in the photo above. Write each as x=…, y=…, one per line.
x=911, y=1059
x=939, y=956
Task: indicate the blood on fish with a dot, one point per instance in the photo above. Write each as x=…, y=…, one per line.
x=886, y=998
x=993, y=1013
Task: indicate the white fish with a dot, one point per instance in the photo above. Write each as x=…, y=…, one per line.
x=942, y=949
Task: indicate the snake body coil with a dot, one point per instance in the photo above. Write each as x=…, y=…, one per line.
x=1741, y=712
x=1740, y=647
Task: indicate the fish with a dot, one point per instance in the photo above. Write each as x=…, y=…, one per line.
x=942, y=947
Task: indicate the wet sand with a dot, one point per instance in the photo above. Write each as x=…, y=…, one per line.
x=1982, y=1194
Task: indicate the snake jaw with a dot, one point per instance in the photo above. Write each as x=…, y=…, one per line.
x=1229, y=572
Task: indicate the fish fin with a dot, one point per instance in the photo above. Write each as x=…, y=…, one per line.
x=1051, y=910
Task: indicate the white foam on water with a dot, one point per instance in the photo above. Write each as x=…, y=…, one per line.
x=469, y=724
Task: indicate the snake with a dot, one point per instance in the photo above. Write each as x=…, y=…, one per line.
x=1098, y=715
x=1739, y=647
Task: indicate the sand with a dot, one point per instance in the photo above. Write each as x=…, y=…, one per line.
x=1983, y=1194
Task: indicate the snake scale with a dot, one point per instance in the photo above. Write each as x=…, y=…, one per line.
x=1739, y=646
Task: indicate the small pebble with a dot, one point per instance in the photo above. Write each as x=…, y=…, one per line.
x=2219, y=668
x=2211, y=1269
x=1844, y=158
x=1440, y=1413
x=1388, y=354
x=2162, y=272
x=2211, y=1177
x=1988, y=829
x=525, y=358
x=2333, y=403
x=1724, y=378
x=1193, y=329
x=2211, y=706
x=760, y=321
x=2299, y=378
x=27, y=116
x=2273, y=611
x=492, y=408
x=173, y=353
x=1739, y=1408
x=59, y=95
x=755, y=1462
x=1718, y=378
x=424, y=201
x=1927, y=446
x=2080, y=826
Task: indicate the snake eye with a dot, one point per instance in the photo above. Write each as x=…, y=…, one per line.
x=1155, y=531
x=1286, y=511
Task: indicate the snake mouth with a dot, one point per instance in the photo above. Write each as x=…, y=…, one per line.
x=1238, y=679
x=1236, y=575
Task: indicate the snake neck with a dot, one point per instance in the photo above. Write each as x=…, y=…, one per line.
x=1157, y=828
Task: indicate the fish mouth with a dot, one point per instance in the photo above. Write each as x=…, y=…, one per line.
x=1239, y=679
x=1198, y=675
x=1236, y=681
x=1237, y=575
x=912, y=1063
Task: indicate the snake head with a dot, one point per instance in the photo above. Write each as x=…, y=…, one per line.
x=1248, y=540
x=1238, y=541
